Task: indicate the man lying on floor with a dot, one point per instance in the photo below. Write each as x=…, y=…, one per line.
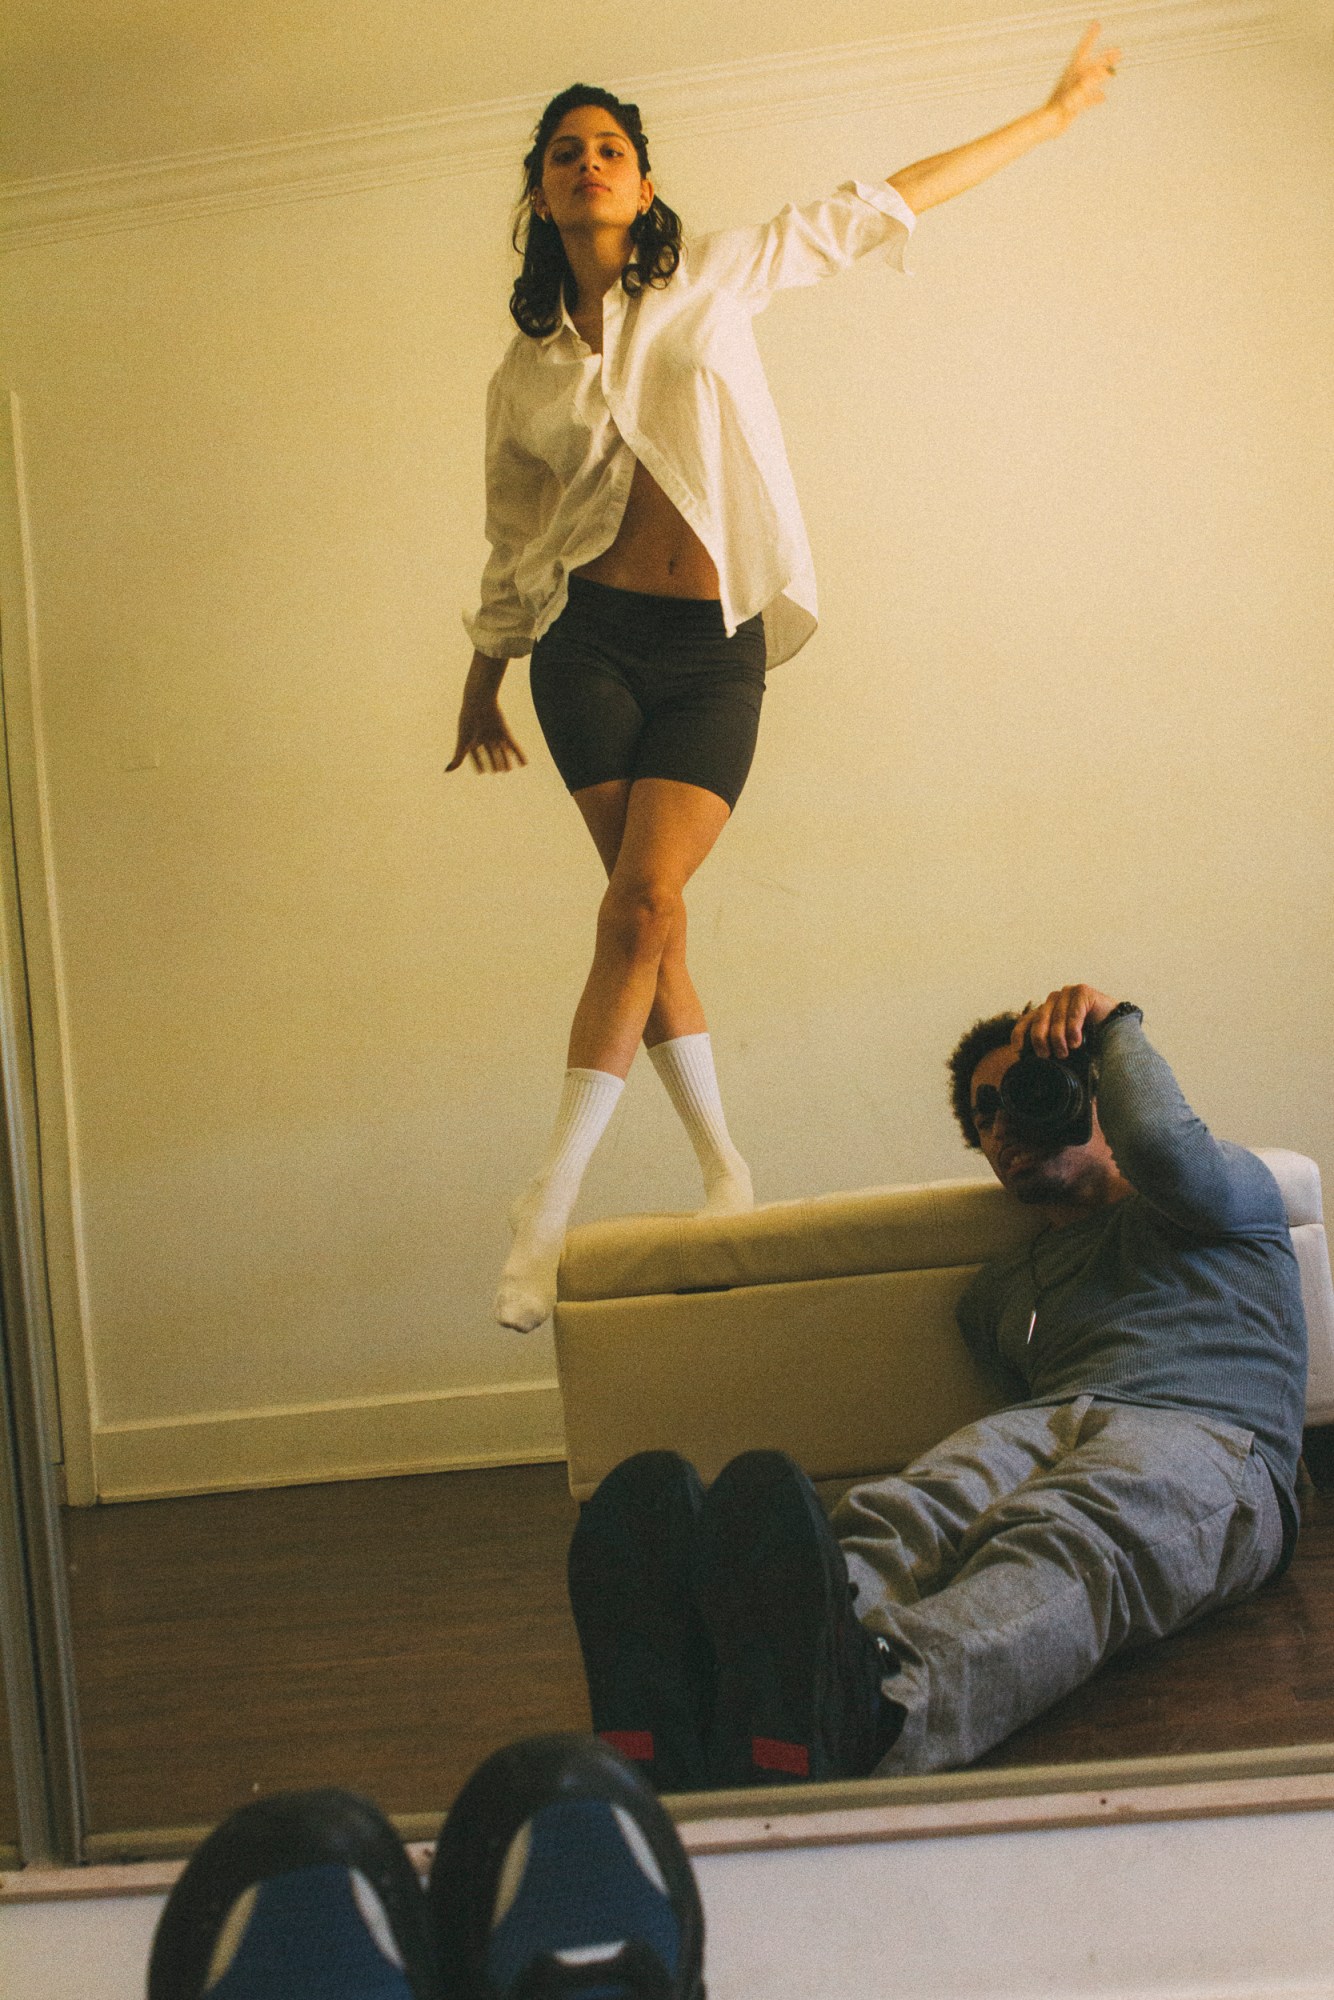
x=1152, y=1340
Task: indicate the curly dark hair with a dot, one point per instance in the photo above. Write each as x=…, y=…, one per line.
x=980, y=1040
x=546, y=278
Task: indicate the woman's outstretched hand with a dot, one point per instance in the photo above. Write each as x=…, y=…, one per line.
x=1083, y=81
x=483, y=732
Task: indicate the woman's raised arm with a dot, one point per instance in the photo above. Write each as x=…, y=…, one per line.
x=1082, y=83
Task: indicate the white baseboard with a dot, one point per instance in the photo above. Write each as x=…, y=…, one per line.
x=439, y=1431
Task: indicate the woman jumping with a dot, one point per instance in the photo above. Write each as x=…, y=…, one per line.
x=647, y=549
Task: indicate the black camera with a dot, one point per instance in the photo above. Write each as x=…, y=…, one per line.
x=1047, y=1100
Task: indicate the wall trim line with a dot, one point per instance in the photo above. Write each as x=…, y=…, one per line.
x=374, y=1437
x=490, y=135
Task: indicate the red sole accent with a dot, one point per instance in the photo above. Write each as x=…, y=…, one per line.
x=768, y=1754
x=636, y=1744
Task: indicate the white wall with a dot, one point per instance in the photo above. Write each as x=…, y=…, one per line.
x=1066, y=717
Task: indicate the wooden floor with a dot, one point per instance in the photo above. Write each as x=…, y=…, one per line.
x=383, y=1635
x=388, y=1634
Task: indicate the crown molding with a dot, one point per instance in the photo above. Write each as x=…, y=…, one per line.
x=484, y=137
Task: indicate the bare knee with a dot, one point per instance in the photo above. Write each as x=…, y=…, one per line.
x=638, y=918
x=673, y=959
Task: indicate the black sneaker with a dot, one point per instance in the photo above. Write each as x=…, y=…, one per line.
x=798, y=1690
x=558, y=1872
x=300, y=1896
x=647, y=1653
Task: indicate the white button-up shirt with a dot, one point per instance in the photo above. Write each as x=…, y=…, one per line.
x=678, y=386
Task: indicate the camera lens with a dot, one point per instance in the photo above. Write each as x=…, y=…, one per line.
x=1042, y=1093
x=1046, y=1100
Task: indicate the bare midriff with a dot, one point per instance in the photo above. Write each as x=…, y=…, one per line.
x=656, y=550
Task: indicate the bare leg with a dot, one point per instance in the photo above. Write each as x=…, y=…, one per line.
x=676, y=1008
x=676, y=1033
x=667, y=828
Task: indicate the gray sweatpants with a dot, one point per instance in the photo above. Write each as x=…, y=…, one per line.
x=1009, y=1562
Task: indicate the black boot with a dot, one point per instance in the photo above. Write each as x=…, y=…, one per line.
x=798, y=1690
x=558, y=1872
x=647, y=1653
x=301, y=1895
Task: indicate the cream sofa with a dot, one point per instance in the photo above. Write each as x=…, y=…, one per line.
x=824, y=1328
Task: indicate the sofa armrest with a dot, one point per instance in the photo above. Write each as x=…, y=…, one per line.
x=936, y=1225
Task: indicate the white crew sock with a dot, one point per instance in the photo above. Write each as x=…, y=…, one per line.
x=540, y=1215
x=685, y=1065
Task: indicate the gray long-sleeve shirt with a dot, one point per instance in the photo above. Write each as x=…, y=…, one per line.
x=1185, y=1295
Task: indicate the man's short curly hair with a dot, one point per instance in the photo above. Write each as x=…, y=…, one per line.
x=980, y=1040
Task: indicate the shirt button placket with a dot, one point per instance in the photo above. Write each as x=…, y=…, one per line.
x=613, y=316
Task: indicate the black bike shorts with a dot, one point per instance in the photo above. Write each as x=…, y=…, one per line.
x=631, y=686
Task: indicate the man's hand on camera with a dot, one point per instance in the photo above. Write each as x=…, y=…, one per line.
x=1059, y=1024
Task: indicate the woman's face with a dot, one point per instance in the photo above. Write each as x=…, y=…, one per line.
x=590, y=174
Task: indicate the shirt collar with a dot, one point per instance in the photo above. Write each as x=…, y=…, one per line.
x=565, y=325
x=617, y=295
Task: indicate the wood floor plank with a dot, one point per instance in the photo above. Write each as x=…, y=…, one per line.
x=381, y=1634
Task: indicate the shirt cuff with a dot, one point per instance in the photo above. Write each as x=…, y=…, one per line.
x=1124, y=1010
x=497, y=645
x=891, y=203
